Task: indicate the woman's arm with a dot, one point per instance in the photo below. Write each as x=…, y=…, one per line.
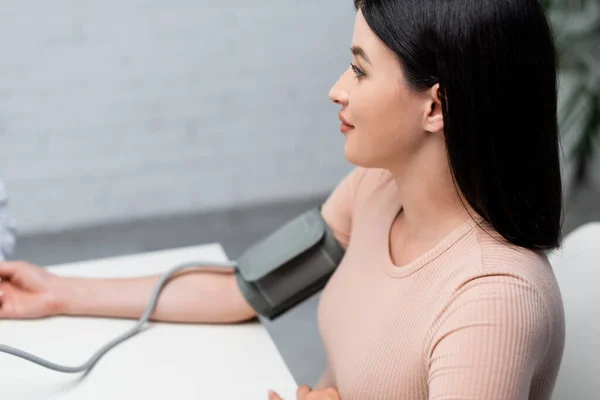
x=208, y=297
x=490, y=341
x=28, y=291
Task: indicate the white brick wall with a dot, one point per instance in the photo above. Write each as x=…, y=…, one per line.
x=120, y=109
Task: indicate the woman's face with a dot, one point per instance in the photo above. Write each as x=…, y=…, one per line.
x=385, y=122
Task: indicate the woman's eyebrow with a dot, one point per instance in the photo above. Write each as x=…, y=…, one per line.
x=358, y=51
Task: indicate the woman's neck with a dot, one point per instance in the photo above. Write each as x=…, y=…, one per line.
x=431, y=204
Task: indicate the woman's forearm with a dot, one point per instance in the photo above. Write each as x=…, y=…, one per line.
x=192, y=296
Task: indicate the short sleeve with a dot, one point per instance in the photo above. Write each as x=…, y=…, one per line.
x=338, y=208
x=489, y=341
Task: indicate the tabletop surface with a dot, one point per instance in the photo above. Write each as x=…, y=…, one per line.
x=186, y=361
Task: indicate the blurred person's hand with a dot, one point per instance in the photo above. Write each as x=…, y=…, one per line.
x=28, y=291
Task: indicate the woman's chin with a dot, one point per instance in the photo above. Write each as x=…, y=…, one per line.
x=353, y=153
x=359, y=155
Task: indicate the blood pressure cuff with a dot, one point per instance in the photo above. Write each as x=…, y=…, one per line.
x=289, y=265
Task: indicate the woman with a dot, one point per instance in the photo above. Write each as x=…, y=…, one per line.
x=449, y=112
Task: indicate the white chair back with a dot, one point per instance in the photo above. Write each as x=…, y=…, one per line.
x=577, y=269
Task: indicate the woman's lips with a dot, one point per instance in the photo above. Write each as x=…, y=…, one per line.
x=346, y=126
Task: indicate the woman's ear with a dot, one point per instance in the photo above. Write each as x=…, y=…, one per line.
x=434, y=120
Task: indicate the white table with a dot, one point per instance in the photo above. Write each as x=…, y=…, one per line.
x=178, y=361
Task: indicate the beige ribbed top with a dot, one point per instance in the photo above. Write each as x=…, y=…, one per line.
x=472, y=318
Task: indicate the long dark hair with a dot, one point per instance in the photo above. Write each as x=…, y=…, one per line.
x=495, y=63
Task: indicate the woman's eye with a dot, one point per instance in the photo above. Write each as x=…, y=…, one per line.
x=357, y=71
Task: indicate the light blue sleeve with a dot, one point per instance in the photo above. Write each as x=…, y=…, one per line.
x=7, y=226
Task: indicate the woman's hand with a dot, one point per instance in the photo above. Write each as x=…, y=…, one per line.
x=306, y=393
x=27, y=291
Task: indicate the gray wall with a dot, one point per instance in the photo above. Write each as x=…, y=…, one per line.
x=118, y=110
x=114, y=110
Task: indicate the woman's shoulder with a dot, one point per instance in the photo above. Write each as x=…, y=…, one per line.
x=501, y=267
x=489, y=276
x=500, y=256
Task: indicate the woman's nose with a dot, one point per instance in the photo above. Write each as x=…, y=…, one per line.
x=339, y=92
